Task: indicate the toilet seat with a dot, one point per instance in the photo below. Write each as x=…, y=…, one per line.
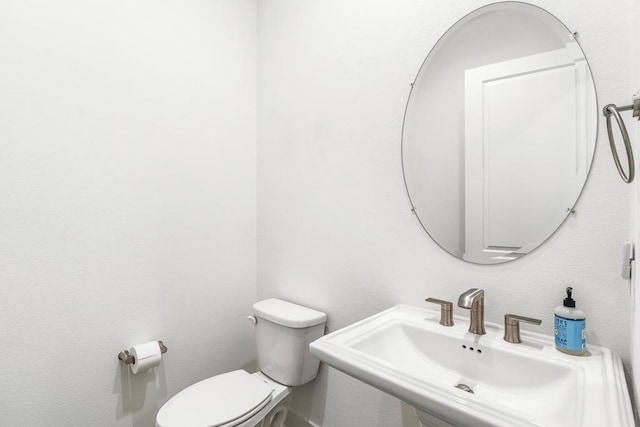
x=225, y=400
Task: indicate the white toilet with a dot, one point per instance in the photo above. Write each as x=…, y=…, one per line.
x=239, y=399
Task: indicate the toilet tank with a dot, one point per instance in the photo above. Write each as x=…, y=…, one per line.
x=283, y=333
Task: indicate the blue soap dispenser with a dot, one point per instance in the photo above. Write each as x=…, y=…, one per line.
x=569, y=325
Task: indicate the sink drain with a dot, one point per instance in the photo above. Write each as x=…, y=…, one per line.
x=465, y=387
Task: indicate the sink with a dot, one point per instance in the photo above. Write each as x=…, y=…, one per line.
x=504, y=378
x=453, y=377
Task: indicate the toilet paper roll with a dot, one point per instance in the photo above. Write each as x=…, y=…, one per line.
x=145, y=356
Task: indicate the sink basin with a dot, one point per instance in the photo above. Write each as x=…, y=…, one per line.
x=453, y=377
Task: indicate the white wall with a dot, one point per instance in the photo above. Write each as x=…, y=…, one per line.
x=334, y=227
x=127, y=194
x=127, y=202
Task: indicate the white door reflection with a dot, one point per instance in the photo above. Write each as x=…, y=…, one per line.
x=526, y=117
x=499, y=132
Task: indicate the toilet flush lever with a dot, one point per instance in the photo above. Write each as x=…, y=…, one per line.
x=253, y=319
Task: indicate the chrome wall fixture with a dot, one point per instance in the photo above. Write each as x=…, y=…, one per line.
x=128, y=358
x=613, y=110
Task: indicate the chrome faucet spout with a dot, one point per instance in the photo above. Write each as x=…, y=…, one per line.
x=470, y=297
x=473, y=300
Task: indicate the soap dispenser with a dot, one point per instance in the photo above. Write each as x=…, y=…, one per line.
x=569, y=327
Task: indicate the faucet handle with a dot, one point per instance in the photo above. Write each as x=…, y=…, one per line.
x=512, y=326
x=446, y=311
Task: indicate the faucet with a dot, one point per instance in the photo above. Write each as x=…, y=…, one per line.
x=473, y=300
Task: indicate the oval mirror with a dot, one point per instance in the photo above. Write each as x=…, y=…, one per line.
x=499, y=132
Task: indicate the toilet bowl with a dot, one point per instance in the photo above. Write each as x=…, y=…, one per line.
x=239, y=399
x=236, y=398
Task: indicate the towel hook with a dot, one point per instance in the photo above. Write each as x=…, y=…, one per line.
x=613, y=110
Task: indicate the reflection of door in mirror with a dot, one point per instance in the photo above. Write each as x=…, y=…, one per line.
x=547, y=131
x=499, y=132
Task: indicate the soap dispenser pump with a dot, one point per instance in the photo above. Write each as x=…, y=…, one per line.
x=569, y=327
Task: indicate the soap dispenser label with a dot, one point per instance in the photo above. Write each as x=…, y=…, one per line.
x=570, y=333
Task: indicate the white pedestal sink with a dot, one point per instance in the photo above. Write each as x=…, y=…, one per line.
x=455, y=378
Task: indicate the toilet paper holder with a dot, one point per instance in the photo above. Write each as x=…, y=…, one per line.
x=127, y=358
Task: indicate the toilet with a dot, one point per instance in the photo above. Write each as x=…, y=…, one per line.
x=238, y=399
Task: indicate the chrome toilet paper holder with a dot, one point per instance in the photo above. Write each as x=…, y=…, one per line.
x=127, y=358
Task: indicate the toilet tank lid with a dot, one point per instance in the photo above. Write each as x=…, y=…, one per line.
x=288, y=314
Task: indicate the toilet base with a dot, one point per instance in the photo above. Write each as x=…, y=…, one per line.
x=275, y=412
x=276, y=417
